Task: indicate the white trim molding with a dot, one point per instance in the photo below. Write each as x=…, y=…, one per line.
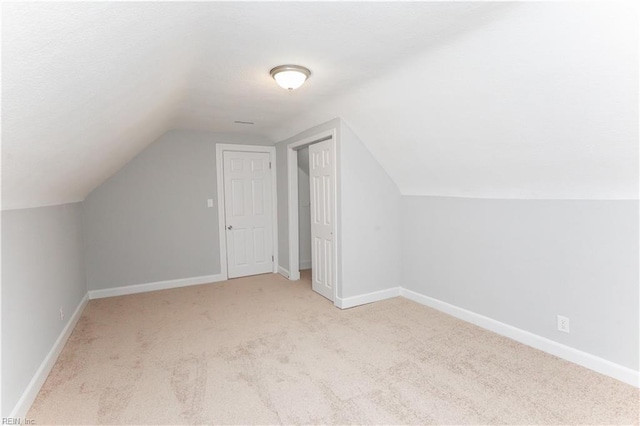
x=284, y=272
x=592, y=362
x=271, y=150
x=31, y=392
x=363, y=299
x=159, y=285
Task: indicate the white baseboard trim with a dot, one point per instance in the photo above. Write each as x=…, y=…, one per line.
x=160, y=285
x=592, y=362
x=31, y=392
x=305, y=264
x=363, y=299
x=285, y=273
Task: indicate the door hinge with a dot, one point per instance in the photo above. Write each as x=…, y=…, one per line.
x=269, y=164
x=272, y=258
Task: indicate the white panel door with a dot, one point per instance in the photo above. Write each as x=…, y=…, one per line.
x=248, y=213
x=321, y=180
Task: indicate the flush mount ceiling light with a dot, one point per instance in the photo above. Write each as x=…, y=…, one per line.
x=290, y=77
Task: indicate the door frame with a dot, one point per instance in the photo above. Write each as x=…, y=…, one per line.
x=220, y=149
x=294, y=237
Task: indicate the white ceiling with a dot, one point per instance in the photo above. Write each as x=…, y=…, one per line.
x=473, y=99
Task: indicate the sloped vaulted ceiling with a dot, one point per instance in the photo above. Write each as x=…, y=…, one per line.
x=472, y=99
x=540, y=103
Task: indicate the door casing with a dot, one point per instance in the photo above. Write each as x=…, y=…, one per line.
x=292, y=172
x=220, y=148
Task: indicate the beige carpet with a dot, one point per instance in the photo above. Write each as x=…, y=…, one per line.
x=263, y=350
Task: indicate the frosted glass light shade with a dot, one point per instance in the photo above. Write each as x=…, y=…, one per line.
x=290, y=77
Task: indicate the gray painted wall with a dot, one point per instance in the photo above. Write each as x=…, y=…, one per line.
x=304, y=208
x=522, y=262
x=150, y=221
x=42, y=271
x=371, y=209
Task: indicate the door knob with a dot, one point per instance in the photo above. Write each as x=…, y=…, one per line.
x=229, y=227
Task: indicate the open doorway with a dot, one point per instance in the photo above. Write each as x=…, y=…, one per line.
x=312, y=172
x=304, y=213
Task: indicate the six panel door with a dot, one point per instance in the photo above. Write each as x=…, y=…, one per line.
x=321, y=177
x=248, y=213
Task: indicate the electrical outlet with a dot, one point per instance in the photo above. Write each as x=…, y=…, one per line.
x=61, y=314
x=563, y=324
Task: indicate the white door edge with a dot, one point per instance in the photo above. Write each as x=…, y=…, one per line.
x=220, y=148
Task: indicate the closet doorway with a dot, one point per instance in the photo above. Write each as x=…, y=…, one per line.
x=312, y=224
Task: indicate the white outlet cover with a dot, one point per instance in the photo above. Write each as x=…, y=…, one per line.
x=210, y=202
x=563, y=324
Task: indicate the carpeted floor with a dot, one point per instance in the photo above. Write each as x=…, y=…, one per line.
x=264, y=350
